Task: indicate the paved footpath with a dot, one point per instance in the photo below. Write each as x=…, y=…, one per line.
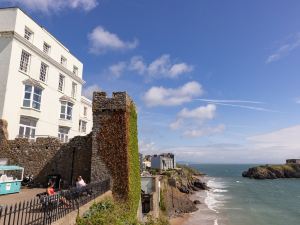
x=25, y=194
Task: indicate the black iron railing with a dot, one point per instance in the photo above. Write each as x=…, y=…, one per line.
x=44, y=209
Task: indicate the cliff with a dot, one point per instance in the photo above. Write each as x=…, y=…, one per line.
x=273, y=171
x=177, y=186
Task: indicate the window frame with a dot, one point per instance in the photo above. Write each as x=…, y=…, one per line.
x=63, y=134
x=46, y=48
x=32, y=96
x=28, y=34
x=31, y=128
x=61, y=82
x=75, y=70
x=45, y=73
x=25, y=64
x=85, y=111
x=82, y=126
x=74, y=90
x=63, y=60
x=66, y=110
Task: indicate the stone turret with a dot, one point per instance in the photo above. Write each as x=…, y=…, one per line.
x=111, y=138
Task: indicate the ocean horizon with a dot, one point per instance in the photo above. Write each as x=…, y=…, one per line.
x=242, y=201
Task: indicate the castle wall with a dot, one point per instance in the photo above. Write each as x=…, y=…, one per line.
x=110, y=151
x=111, y=139
x=48, y=156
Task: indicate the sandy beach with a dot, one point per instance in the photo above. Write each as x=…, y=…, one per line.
x=179, y=220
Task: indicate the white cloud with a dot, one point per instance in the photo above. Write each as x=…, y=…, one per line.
x=147, y=147
x=287, y=138
x=88, y=91
x=229, y=103
x=179, y=68
x=285, y=49
x=102, y=41
x=117, y=69
x=160, y=96
x=162, y=67
x=201, y=113
x=192, y=122
x=137, y=64
x=205, y=131
x=228, y=153
x=49, y=6
x=272, y=148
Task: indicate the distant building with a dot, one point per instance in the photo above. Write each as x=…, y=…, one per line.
x=141, y=162
x=163, y=161
x=146, y=164
x=293, y=161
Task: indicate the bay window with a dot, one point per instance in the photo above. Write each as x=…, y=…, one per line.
x=32, y=97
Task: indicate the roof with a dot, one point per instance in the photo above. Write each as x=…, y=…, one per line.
x=85, y=100
x=11, y=168
x=66, y=98
x=42, y=27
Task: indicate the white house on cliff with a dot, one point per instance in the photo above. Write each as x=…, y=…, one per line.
x=40, y=82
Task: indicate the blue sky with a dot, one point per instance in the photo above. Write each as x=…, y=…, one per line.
x=214, y=81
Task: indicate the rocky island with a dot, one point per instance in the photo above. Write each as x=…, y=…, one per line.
x=289, y=170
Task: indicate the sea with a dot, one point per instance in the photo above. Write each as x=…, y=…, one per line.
x=242, y=201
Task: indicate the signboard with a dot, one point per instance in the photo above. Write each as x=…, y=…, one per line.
x=8, y=186
x=3, y=162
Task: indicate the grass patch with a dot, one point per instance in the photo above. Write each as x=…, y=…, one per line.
x=109, y=212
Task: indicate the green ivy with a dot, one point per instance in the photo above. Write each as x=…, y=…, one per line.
x=121, y=213
x=134, y=164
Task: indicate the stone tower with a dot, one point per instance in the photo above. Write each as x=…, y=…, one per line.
x=115, y=146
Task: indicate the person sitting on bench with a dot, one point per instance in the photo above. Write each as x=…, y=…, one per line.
x=80, y=182
x=51, y=192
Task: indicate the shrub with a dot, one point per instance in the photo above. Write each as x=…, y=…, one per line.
x=109, y=212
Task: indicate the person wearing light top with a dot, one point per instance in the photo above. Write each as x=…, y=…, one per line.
x=80, y=182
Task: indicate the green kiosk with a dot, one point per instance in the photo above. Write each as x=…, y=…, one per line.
x=10, y=179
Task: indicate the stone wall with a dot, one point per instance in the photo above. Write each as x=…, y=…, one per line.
x=110, y=151
x=3, y=130
x=111, y=139
x=48, y=156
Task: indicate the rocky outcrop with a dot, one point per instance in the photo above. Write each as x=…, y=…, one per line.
x=273, y=171
x=177, y=186
x=197, y=202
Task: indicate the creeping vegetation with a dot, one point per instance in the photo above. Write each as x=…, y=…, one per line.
x=109, y=212
x=134, y=164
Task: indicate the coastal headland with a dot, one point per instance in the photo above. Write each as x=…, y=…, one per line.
x=273, y=171
x=178, y=185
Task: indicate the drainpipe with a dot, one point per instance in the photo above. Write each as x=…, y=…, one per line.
x=72, y=166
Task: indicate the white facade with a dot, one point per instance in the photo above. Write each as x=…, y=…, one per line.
x=163, y=161
x=40, y=82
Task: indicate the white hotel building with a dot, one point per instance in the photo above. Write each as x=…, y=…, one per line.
x=40, y=82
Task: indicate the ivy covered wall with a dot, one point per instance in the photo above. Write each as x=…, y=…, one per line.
x=134, y=164
x=115, y=123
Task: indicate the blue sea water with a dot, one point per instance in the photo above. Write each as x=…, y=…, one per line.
x=243, y=201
